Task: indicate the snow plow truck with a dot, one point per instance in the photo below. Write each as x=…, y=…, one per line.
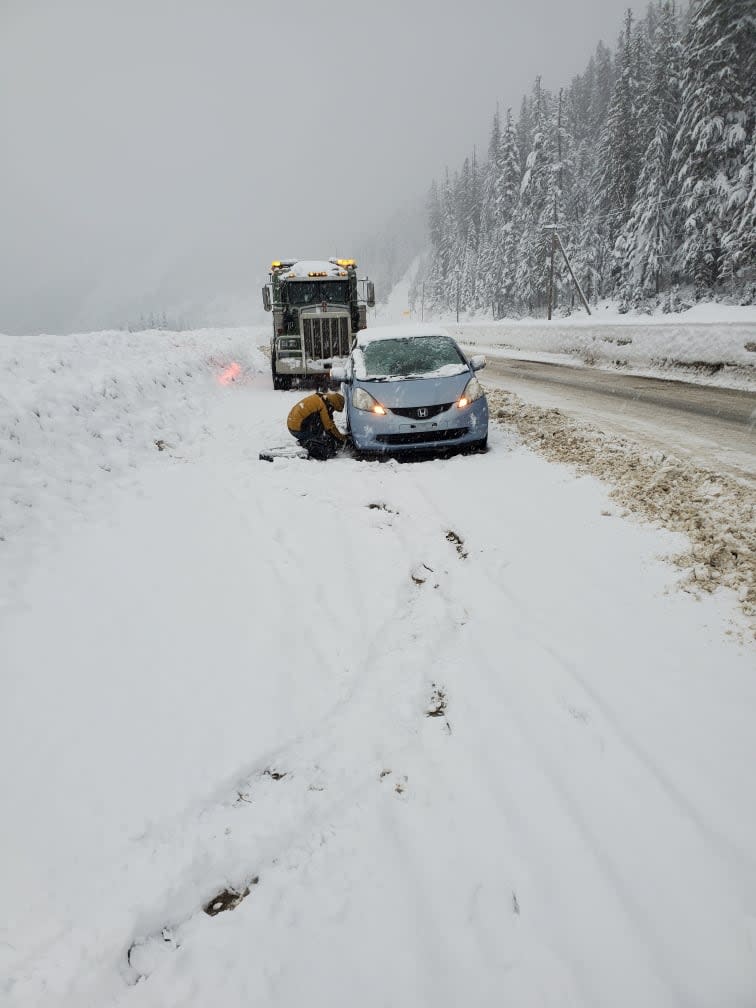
x=317, y=309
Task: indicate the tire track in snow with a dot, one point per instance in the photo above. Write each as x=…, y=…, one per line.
x=539, y=633
x=725, y=849
x=639, y=917
x=379, y=671
x=554, y=778
x=457, y=600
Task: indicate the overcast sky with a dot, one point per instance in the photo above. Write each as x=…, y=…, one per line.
x=157, y=153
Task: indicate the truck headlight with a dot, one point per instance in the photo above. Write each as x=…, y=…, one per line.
x=362, y=400
x=472, y=392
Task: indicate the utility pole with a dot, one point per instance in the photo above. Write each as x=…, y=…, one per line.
x=457, y=295
x=574, y=278
x=551, y=267
x=559, y=189
x=559, y=138
x=422, y=303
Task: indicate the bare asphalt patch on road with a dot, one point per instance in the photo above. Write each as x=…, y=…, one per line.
x=708, y=425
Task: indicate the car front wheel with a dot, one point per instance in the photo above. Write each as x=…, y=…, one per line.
x=478, y=447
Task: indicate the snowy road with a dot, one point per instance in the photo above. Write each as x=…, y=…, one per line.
x=450, y=723
x=714, y=427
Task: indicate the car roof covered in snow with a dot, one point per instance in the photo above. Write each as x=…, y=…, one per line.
x=304, y=267
x=408, y=331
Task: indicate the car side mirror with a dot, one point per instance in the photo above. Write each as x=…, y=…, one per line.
x=478, y=362
x=338, y=374
x=370, y=298
x=266, y=298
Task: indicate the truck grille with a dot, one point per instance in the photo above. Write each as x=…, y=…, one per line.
x=326, y=336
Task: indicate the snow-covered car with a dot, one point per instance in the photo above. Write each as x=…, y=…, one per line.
x=410, y=388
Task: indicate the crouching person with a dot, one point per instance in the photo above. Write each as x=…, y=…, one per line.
x=311, y=423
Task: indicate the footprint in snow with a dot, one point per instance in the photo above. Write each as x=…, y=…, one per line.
x=459, y=543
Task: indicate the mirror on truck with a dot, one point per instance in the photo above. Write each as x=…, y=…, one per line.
x=478, y=362
x=266, y=298
x=338, y=373
x=370, y=294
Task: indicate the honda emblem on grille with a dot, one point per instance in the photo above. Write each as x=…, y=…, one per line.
x=422, y=412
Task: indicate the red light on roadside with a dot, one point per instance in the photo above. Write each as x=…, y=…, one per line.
x=229, y=374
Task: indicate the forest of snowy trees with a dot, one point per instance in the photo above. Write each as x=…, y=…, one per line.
x=645, y=161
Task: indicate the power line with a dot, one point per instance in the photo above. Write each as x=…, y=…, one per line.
x=608, y=215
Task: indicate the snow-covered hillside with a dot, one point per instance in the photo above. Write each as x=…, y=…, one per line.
x=447, y=733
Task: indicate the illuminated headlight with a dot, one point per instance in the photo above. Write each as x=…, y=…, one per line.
x=472, y=392
x=362, y=400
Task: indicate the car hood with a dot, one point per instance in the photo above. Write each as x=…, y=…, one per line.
x=408, y=392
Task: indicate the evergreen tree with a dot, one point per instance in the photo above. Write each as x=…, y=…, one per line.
x=524, y=131
x=487, y=250
x=648, y=233
x=618, y=153
x=536, y=205
x=602, y=85
x=713, y=148
x=496, y=256
x=507, y=198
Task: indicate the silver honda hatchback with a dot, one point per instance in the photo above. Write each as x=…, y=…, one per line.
x=410, y=388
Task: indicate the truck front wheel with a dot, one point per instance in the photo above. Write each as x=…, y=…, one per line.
x=281, y=383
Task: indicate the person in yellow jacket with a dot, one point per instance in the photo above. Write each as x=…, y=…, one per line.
x=311, y=423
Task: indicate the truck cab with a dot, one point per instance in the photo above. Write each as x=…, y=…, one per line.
x=317, y=310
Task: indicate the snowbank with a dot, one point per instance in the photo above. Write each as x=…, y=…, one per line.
x=711, y=342
x=80, y=413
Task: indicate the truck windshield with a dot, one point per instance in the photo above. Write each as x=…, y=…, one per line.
x=306, y=292
x=405, y=358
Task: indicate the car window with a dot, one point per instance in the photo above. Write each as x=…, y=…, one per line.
x=416, y=356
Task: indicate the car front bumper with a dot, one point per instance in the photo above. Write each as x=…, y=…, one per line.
x=393, y=433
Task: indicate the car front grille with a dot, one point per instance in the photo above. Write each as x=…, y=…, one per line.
x=326, y=336
x=423, y=437
x=421, y=412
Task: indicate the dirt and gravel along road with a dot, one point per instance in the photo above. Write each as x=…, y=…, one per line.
x=717, y=512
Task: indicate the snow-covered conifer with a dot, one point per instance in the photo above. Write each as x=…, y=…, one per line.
x=647, y=236
x=713, y=147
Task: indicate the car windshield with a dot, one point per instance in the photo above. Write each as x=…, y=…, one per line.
x=418, y=356
x=306, y=292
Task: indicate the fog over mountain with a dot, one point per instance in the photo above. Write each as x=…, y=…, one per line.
x=158, y=154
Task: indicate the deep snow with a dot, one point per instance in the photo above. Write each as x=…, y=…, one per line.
x=218, y=670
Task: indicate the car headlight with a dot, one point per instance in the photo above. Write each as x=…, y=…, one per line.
x=472, y=392
x=362, y=400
